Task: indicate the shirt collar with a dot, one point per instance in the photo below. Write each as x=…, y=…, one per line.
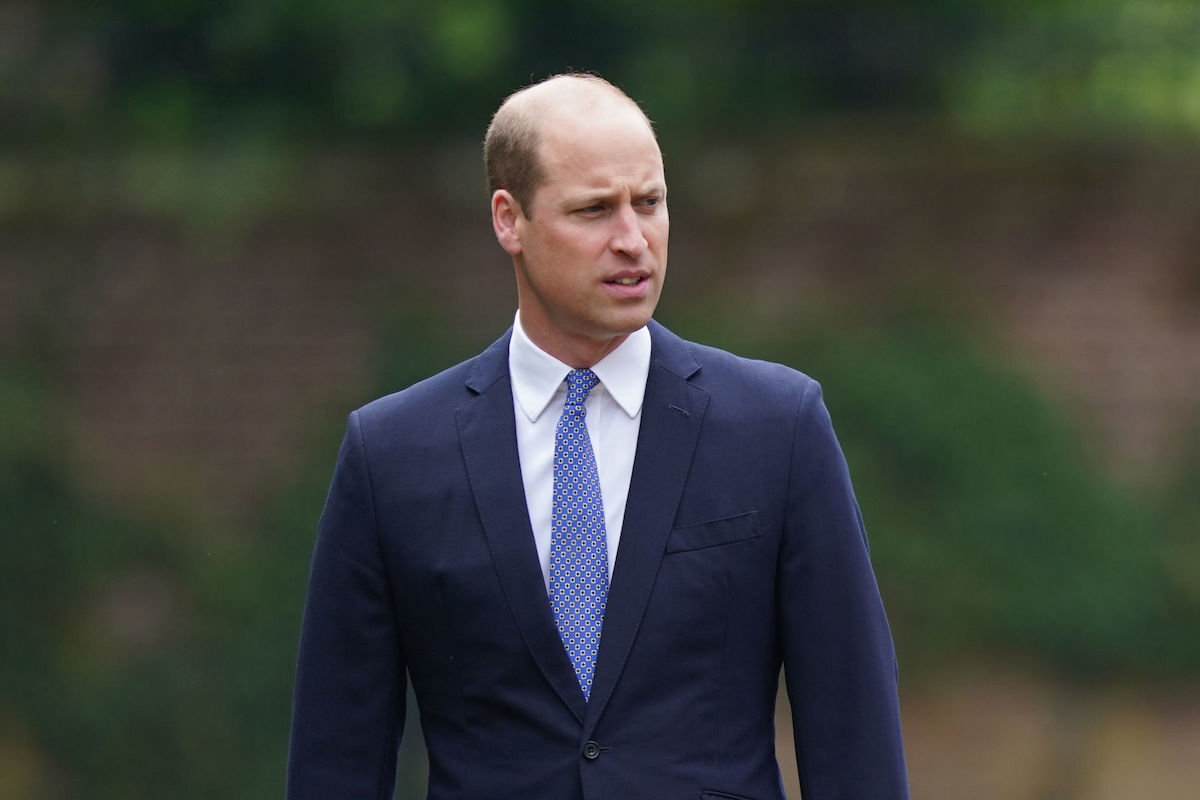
x=537, y=375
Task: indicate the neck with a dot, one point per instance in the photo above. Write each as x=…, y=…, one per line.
x=581, y=355
x=576, y=352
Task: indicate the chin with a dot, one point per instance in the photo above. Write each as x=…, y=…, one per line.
x=628, y=325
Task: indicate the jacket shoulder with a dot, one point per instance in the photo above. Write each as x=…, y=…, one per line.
x=440, y=390
x=719, y=371
x=441, y=394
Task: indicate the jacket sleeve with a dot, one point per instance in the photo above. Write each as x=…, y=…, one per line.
x=839, y=662
x=348, y=703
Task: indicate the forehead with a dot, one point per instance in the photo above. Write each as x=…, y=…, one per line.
x=597, y=146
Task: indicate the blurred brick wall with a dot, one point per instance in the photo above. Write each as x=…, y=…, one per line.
x=199, y=354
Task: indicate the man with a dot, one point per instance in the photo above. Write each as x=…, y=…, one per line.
x=593, y=546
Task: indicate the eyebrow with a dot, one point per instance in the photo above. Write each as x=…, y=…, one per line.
x=598, y=195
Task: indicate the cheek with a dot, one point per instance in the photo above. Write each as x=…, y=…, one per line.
x=656, y=232
x=567, y=245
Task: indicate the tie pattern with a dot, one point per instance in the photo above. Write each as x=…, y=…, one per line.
x=578, y=542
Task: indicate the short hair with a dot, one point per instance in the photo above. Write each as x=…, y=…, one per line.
x=510, y=147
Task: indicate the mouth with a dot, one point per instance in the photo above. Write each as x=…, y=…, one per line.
x=627, y=280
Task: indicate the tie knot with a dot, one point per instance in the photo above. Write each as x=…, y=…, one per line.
x=579, y=383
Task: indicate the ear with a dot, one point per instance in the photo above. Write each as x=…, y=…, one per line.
x=506, y=213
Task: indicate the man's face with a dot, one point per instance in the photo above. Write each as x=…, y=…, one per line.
x=591, y=251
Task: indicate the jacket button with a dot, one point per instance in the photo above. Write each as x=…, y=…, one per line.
x=591, y=751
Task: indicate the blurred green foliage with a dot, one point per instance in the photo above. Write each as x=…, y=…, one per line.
x=1102, y=66
x=139, y=660
x=992, y=528
x=115, y=72
x=143, y=656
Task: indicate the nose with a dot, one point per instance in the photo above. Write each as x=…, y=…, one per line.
x=627, y=235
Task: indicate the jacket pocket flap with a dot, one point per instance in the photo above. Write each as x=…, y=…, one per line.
x=716, y=532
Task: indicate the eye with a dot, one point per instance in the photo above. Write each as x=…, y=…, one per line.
x=595, y=208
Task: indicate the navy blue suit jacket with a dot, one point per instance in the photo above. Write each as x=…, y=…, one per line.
x=742, y=550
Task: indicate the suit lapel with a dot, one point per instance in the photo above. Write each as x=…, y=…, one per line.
x=488, y=436
x=672, y=413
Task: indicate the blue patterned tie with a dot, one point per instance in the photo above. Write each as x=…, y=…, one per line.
x=578, y=543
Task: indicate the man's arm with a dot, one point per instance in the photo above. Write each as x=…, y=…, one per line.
x=348, y=707
x=839, y=663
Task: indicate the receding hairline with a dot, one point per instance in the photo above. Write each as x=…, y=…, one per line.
x=514, y=137
x=562, y=93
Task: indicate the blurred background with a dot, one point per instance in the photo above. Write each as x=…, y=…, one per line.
x=224, y=224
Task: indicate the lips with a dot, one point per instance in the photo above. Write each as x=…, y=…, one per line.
x=627, y=279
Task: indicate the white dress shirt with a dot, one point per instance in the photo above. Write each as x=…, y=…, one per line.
x=614, y=415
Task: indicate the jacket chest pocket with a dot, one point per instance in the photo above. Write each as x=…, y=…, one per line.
x=703, y=564
x=714, y=533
